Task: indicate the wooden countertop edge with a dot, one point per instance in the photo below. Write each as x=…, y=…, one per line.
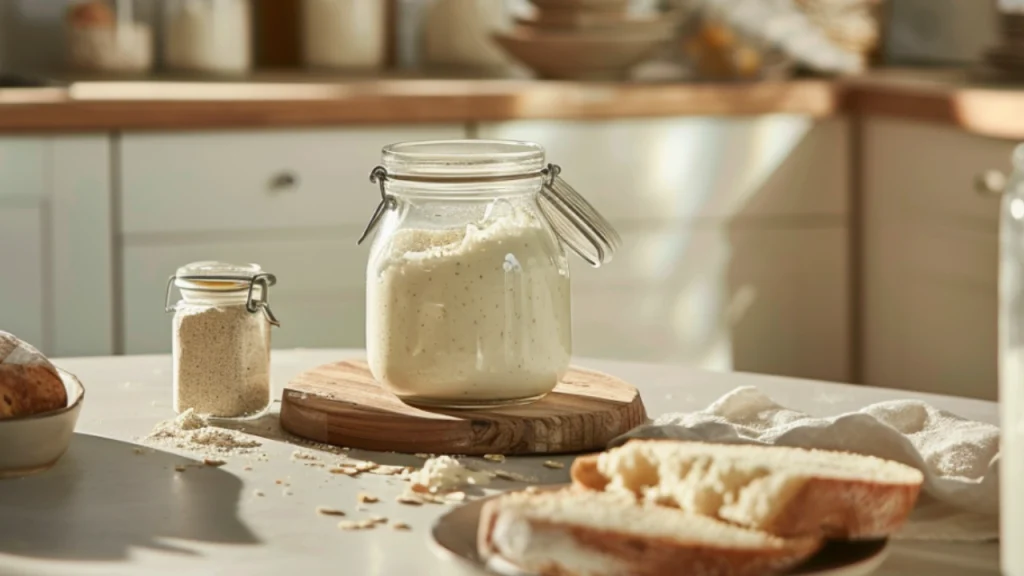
x=990, y=112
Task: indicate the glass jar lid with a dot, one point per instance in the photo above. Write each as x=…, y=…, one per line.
x=210, y=276
x=576, y=222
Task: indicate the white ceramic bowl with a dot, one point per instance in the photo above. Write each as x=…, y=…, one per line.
x=30, y=444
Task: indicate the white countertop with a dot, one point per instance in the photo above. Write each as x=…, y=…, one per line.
x=106, y=510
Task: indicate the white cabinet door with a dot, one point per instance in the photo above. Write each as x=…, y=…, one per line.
x=754, y=300
x=56, y=243
x=23, y=288
x=930, y=259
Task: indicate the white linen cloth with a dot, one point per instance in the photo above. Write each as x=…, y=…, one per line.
x=959, y=458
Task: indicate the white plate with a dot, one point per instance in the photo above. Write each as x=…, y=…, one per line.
x=454, y=540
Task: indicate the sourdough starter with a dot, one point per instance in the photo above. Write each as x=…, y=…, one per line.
x=472, y=315
x=221, y=360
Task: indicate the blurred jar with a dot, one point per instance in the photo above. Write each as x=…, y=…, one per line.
x=458, y=33
x=343, y=33
x=211, y=36
x=106, y=38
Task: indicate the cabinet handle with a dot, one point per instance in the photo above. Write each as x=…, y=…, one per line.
x=284, y=181
x=990, y=183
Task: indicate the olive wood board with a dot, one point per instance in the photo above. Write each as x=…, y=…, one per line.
x=341, y=404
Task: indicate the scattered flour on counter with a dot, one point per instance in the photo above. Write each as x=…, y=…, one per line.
x=190, y=431
x=443, y=474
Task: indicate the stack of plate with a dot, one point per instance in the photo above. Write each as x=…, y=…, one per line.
x=1009, y=55
x=585, y=39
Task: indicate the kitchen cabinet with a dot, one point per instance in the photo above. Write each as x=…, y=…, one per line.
x=55, y=243
x=930, y=258
x=735, y=239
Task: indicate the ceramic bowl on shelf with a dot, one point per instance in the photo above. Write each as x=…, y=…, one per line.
x=582, y=5
x=658, y=26
x=574, y=55
x=33, y=443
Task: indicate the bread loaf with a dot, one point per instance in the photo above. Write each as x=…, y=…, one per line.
x=29, y=383
x=585, y=533
x=784, y=491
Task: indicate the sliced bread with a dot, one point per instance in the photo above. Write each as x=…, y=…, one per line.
x=784, y=491
x=574, y=532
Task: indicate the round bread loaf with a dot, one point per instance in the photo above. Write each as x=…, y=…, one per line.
x=29, y=383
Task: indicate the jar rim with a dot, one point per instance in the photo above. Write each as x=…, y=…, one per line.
x=462, y=159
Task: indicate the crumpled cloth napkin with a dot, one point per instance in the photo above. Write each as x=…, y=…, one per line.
x=959, y=458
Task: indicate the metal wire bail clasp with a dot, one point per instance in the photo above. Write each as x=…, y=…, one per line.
x=378, y=176
x=253, y=302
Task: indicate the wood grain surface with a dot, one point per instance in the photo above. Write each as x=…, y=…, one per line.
x=341, y=404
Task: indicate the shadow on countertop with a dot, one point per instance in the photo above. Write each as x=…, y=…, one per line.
x=103, y=499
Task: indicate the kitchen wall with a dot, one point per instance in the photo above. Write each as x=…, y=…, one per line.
x=940, y=31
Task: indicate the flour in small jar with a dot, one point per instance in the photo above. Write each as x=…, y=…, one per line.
x=478, y=313
x=221, y=360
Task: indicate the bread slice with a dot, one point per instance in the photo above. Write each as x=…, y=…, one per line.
x=784, y=491
x=583, y=533
x=30, y=389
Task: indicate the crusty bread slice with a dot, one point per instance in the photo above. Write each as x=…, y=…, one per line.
x=584, y=533
x=784, y=491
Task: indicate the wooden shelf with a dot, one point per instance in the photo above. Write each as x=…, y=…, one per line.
x=939, y=96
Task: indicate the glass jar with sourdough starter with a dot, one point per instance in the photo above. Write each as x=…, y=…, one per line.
x=467, y=293
x=221, y=338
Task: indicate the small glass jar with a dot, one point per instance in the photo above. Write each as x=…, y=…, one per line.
x=221, y=339
x=467, y=293
x=344, y=34
x=208, y=36
x=105, y=38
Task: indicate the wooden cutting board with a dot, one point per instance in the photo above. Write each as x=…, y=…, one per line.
x=341, y=404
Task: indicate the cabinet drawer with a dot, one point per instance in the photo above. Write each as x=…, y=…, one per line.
x=671, y=168
x=230, y=181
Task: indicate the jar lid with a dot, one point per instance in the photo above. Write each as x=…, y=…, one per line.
x=211, y=275
x=458, y=159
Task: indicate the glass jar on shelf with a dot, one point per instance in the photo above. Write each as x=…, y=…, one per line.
x=221, y=338
x=106, y=38
x=468, y=301
x=208, y=36
x=345, y=34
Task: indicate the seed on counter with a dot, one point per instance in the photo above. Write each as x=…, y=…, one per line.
x=553, y=464
x=257, y=492
x=247, y=468
x=213, y=462
x=278, y=482
x=382, y=470
x=346, y=470
x=357, y=524
x=378, y=519
x=408, y=500
x=303, y=455
x=180, y=468
x=494, y=457
x=365, y=498
x=366, y=466
x=328, y=511
x=286, y=492
x=138, y=451
x=401, y=526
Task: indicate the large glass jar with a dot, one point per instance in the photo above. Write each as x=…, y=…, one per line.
x=1011, y=367
x=467, y=292
x=221, y=339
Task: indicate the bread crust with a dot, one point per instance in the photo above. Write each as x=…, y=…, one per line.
x=829, y=507
x=652, y=556
x=29, y=389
